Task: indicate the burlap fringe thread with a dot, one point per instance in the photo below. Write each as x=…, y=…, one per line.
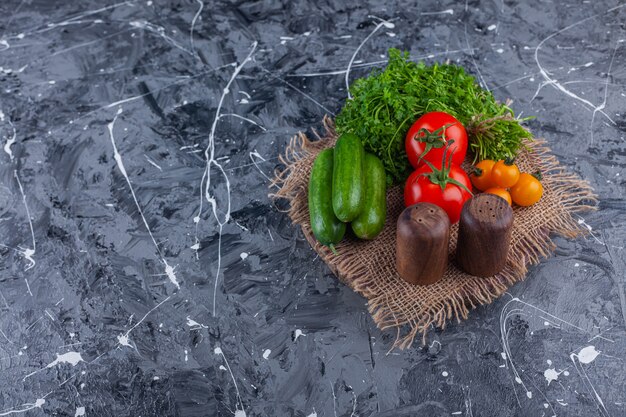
x=369, y=267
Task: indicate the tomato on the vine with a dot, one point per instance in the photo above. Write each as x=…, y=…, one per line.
x=527, y=191
x=448, y=188
x=504, y=173
x=428, y=136
x=481, y=174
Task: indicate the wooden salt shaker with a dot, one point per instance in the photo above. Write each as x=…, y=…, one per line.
x=484, y=235
x=422, y=237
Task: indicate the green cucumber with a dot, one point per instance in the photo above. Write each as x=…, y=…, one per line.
x=348, y=177
x=374, y=208
x=327, y=228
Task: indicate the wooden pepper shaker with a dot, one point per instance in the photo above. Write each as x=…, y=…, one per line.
x=484, y=235
x=422, y=237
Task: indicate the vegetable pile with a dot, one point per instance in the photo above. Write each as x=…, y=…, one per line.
x=428, y=119
x=346, y=185
x=387, y=102
x=436, y=146
x=504, y=179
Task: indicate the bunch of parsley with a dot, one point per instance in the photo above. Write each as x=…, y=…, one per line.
x=385, y=104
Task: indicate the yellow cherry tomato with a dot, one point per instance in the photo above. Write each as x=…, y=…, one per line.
x=500, y=192
x=504, y=174
x=527, y=191
x=481, y=174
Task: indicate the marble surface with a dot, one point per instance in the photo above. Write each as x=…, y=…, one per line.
x=145, y=272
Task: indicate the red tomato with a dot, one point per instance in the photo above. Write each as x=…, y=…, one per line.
x=423, y=186
x=431, y=146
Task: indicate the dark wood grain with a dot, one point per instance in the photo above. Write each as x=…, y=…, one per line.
x=484, y=235
x=422, y=237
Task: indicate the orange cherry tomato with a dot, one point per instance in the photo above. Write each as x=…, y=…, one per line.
x=500, y=192
x=527, y=191
x=481, y=175
x=504, y=174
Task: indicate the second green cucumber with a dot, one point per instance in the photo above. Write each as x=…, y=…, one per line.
x=374, y=210
x=348, y=178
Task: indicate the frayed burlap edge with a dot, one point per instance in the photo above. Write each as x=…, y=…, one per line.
x=573, y=195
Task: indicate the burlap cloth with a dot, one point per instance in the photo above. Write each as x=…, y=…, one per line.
x=368, y=267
